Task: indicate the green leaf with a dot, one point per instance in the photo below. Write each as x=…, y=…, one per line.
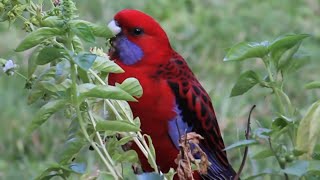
x=121, y=126
x=286, y=42
x=246, y=50
x=298, y=168
x=54, y=87
x=85, y=60
x=280, y=123
x=52, y=21
x=313, y=85
x=83, y=31
x=131, y=86
x=38, y=36
x=245, y=82
x=124, y=140
x=62, y=71
x=70, y=149
x=45, y=112
x=126, y=156
x=105, y=65
x=241, y=144
x=49, y=54
x=78, y=167
x=53, y=170
x=263, y=154
x=32, y=66
x=152, y=151
x=34, y=95
x=262, y=133
x=77, y=44
x=286, y=57
x=101, y=31
x=309, y=129
x=104, y=91
x=170, y=174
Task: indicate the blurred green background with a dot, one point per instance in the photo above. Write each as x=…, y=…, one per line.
x=201, y=31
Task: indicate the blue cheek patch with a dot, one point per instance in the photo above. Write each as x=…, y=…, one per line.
x=129, y=52
x=177, y=127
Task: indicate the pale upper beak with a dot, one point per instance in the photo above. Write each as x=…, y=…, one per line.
x=115, y=29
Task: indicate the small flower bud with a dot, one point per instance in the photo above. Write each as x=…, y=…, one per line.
x=9, y=67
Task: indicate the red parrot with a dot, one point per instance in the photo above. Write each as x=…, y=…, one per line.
x=173, y=100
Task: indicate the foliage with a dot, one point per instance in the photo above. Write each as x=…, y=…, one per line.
x=290, y=138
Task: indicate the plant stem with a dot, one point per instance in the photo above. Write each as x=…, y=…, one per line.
x=282, y=166
x=81, y=121
x=275, y=90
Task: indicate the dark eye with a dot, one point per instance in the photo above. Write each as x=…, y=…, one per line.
x=137, y=31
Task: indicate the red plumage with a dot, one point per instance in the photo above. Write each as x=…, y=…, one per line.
x=167, y=83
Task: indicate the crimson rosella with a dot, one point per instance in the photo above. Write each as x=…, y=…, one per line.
x=173, y=100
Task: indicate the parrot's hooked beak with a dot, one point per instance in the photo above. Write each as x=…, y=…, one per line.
x=114, y=27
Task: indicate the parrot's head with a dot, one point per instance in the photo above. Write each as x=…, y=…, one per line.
x=138, y=37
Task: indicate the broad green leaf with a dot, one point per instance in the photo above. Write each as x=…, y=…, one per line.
x=286, y=57
x=52, y=21
x=131, y=86
x=83, y=75
x=62, y=71
x=309, y=130
x=98, y=30
x=78, y=167
x=241, y=144
x=38, y=36
x=246, y=50
x=126, y=156
x=262, y=133
x=32, y=62
x=54, y=87
x=286, y=42
x=124, y=140
x=152, y=152
x=49, y=54
x=245, y=82
x=34, y=95
x=279, y=123
x=70, y=149
x=104, y=91
x=51, y=171
x=297, y=168
x=77, y=44
x=120, y=126
x=85, y=60
x=101, y=31
x=124, y=109
x=263, y=154
x=45, y=112
x=313, y=85
x=105, y=65
x=83, y=31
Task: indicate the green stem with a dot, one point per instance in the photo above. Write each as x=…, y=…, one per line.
x=21, y=75
x=76, y=105
x=99, y=138
x=275, y=90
